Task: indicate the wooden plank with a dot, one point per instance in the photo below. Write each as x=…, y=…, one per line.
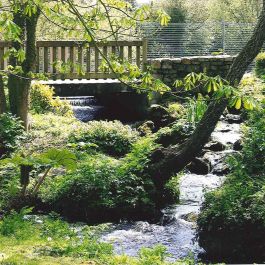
x=6, y=61
x=130, y=54
x=88, y=58
x=63, y=54
x=54, y=59
x=105, y=51
x=46, y=59
x=144, y=61
x=96, y=60
x=72, y=59
x=2, y=62
x=80, y=55
x=138, y=56
x=38, y=60
x=113, y=50
x=121, y=55
x=82, y=43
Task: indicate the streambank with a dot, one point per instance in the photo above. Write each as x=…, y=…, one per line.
x=177, y=228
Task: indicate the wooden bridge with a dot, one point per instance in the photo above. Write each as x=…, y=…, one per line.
x=81, y=59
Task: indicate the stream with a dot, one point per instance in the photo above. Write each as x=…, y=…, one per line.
x=177, y=228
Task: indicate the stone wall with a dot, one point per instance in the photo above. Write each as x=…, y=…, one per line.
x=170, y=69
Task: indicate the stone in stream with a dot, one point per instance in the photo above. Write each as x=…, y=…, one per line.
x=159, y=116
x=215, y=146
x=199, y=166
x=237, y=146
x=232, y=118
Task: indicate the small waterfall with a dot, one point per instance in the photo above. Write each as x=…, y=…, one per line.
x=86, y=108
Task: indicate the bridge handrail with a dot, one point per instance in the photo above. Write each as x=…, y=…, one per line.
x=81, y=53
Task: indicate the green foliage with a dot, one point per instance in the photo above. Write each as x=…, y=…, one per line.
x=176, y=110
x=11, y=133
x=102, y=182
x=52, y=158
x=238, y=206
x=260, y=65
x=172, y=187
x=196, y=109
x=15, y=225
x=42, y=100
x=111, y=137
x=217, y=88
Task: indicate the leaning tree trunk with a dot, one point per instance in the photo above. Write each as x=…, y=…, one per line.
x=168, y=161
x=2, y=96
x=19, y=85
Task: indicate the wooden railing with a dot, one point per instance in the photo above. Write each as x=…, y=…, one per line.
x=81, y=59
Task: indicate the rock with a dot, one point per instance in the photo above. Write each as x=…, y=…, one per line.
x=215, y=146
x=199, y=166
x=237, y=146
x=146, y=128
x=221, y=169
x=159, y=116
x=232, y=118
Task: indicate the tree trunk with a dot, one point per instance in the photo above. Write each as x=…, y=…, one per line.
x=2, y=96
x=169, y=161
x=19, y=85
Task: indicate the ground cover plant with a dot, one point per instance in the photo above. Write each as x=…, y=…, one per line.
x=231, y=224
x=47, y=240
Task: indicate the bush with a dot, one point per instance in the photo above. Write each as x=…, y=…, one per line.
x=104, y=188
x=260, y=65
x=111, y=137
x=11, y=133
x=231, y=225
x=42, y=101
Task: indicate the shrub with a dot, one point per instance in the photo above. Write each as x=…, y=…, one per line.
x=232, y=221
x=260, y=65
x=11, y=133
x=42, y=101
x=104, y=188
x=111, y=137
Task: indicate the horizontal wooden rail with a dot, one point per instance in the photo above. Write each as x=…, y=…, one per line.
x=81, y=59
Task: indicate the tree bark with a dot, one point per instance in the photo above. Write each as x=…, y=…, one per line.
x=19, y=85
x=3, y=104
x=169, y=161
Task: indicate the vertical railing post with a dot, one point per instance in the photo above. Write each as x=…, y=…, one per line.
x=2, y=62
x=223, y=35
x=145, y=44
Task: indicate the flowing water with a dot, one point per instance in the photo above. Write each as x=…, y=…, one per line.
x=86, y=108
x=177, y=229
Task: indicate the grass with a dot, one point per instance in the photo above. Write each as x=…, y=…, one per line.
x=48, y=240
